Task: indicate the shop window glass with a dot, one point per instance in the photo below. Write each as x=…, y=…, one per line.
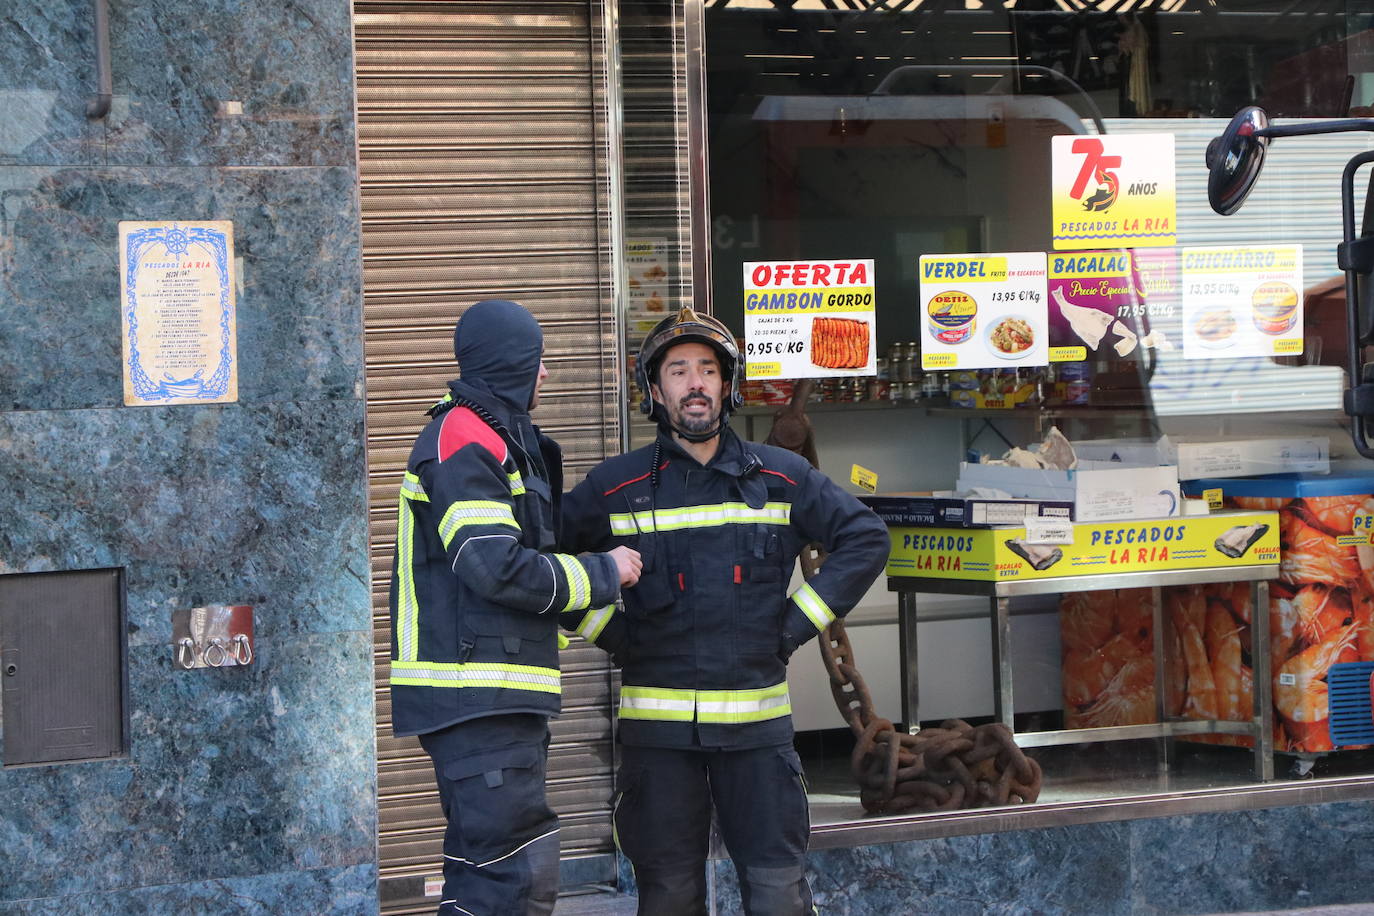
x=897, y=132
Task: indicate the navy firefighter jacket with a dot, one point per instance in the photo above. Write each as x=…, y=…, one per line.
x=477, y=587
x=704, y=636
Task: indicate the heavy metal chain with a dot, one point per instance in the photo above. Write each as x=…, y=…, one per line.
x=939, y=769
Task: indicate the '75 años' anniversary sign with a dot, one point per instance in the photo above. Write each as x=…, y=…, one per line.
x=177, y=301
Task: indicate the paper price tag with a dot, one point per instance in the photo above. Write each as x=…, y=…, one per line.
x=1049, y=531
x=1213, y=498
x=863, y=477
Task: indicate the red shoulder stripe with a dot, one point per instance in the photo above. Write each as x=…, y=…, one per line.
x=463, y=427
x=634, y=479
x=779, y=474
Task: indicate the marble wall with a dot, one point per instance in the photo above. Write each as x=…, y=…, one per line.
x=1276, y=859
x=245, y=790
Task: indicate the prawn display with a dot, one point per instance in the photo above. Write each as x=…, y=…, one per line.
x=1207, y=668
x=1321, y=612
x=1108, y=675
x=839, y=343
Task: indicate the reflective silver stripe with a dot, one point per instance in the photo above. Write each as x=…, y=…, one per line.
x=595, y=621
x=474, y=674
x=474, y=512
x=626, y=523
x=579, y=583
x=407, y=605
x=657, y=703
x=743, y=705
x=815, y=608
x=666, y=704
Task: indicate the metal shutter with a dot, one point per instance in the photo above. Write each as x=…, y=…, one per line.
x=483, y=175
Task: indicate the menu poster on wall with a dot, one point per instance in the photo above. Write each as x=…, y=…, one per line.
x=176, y=292
x=983, y=310
x=646, y=284
x=1113, y=191
x=1112, y=304
x=1242, y=301
x=809, y=319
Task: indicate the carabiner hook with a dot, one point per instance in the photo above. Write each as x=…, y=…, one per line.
x=243, y=649
x=216, y=645
x=186, y=652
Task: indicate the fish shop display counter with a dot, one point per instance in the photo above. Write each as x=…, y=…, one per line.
x=950, y=562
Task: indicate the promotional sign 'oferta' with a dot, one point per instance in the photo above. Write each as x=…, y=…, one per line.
x=1095, y=548
x=809, y=319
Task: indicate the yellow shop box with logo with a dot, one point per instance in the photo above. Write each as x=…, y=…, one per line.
x=1086, y=549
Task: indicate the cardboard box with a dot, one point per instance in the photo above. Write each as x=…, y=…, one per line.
x=1217, y=457
x=1098, y=490
x=997, y=554
x=958, y=512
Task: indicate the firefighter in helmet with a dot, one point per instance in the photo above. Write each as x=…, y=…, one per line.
x=706, y=632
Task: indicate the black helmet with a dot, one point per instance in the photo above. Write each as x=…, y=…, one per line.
x=689, y=326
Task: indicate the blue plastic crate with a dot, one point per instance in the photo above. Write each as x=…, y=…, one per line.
x=1349, y=690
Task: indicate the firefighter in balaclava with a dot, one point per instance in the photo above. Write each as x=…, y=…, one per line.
x=476, y=591
x=706, y=633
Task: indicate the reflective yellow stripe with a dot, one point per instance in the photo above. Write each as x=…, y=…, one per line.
x=625, y=523
x=664, y=704
x=474, y=674
x=743, y=705
x=411, y=488
x=657, y=703
x=579, y=583
x=407, y=606
x=815, y=608
x=517, y=483
x=595, y=621
x=474, y=512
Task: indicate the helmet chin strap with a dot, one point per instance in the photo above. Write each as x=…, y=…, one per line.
x=660, y=414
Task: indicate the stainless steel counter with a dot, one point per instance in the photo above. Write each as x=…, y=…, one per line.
x=1259, y=726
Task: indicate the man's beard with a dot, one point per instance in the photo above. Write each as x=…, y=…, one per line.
x=695, y=425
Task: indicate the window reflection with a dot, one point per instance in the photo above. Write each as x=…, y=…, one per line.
x=906, y=130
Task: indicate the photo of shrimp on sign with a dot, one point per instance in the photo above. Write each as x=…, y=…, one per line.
x=981, y=311
x=809, y=319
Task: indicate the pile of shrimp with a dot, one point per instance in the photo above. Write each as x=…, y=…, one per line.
x=1207, y=659
x=1108, y=675
x=1321, y=611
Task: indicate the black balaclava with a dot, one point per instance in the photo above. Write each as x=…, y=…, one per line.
x=499, y=344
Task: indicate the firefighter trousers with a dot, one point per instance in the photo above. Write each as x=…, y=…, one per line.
x=501, y=843
x=662, y=821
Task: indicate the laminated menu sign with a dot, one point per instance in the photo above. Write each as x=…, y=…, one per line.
x=1242, y=301
x=1117, y=304
x=1114, y=190
x=177, y=309
x=646, y=294
x=983, y=310
x=809, y=319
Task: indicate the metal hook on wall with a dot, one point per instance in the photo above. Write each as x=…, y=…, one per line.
x=213, y=636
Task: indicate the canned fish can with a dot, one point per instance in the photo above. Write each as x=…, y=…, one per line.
x=952, y=316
